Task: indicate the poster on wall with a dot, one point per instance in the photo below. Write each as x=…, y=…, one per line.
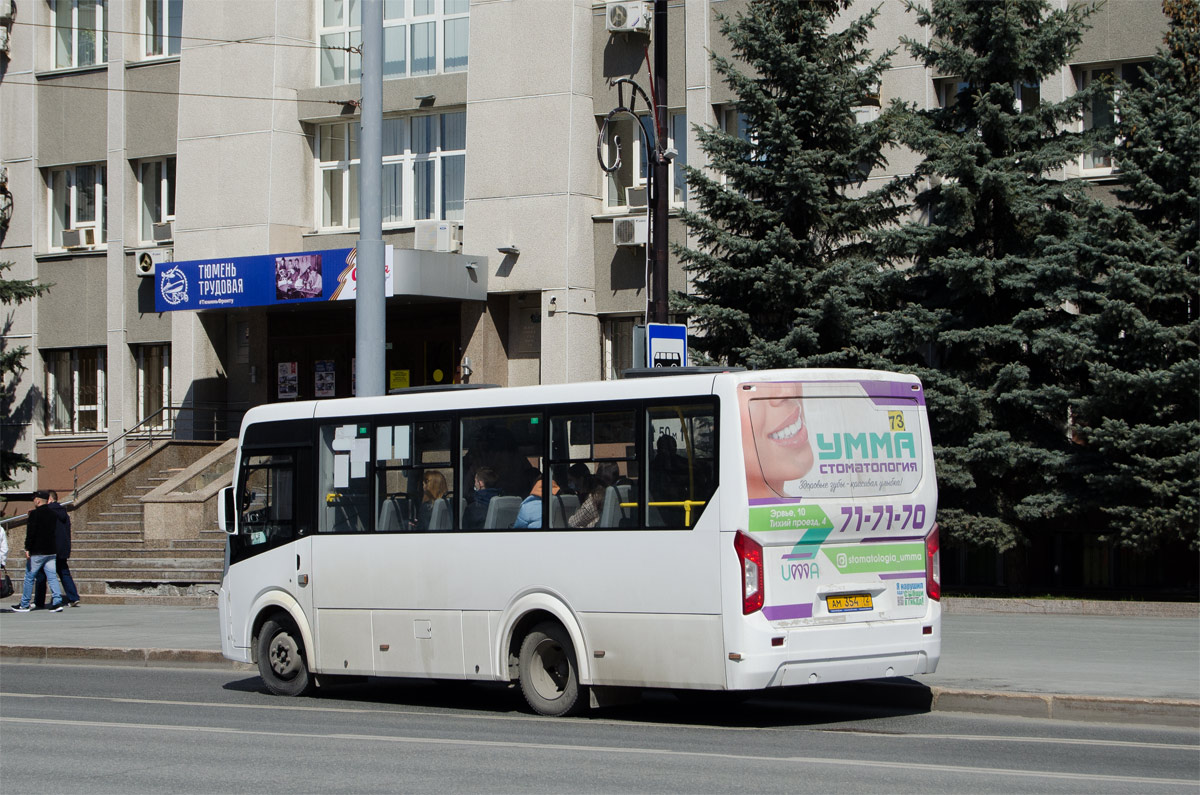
x=324, y=381
x=288, y=382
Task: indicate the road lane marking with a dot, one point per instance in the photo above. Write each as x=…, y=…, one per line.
x=610, y=722
x=648, y=752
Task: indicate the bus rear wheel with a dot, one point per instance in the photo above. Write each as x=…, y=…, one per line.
x=281, y=659
x=549, y=675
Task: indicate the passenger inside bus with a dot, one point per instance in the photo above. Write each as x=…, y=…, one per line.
x=432, y=500
x=485, y=490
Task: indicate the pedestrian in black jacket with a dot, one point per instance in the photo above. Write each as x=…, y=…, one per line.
x=62, y=540
x=40, y=551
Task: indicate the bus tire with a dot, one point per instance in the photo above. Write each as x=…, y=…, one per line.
x=548, y=673
x=281, y=658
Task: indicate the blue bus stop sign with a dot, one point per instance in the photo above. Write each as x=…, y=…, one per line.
x=666, y=345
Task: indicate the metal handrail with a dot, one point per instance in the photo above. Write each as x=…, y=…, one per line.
x=147, y=430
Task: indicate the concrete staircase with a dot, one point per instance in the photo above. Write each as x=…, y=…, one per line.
x=112, y=561
x=178, y=559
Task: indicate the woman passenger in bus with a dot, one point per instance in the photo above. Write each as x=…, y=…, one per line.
x=434, y=486
x=775, y=441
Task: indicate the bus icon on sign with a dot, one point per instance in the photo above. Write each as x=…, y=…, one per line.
x=668, y=359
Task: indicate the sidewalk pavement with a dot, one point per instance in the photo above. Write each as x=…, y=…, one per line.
x=1067, y=662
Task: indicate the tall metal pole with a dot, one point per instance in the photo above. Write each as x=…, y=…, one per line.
x=662, y=197
x=370, y=306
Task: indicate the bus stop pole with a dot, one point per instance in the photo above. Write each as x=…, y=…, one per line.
x=370, y=301
x=662, y=166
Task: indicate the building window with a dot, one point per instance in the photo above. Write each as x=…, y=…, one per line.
x=75, y=385
x=80, y=33
x=424, y=169
x=1101, y=111
x=156, y=180
x=420, y=37
x=627, y=186
x=618, y=345
x=154, y=385
x=162, y=24
x=78, y=206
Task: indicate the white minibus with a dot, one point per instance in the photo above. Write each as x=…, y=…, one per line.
x=689, y=529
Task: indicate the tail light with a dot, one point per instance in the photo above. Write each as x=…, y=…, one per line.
x=750, y=554
x=933, y=565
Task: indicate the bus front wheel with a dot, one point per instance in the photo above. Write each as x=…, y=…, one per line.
x=548, y=673
x=281, y=659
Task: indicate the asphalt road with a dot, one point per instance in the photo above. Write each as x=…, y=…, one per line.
x=93, y=728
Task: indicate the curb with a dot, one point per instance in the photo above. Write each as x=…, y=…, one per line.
x=1048, y=706
x=193, y=658
x=1058, y=706
x=974, y=605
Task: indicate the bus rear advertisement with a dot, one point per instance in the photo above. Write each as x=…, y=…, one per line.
x=722, y=530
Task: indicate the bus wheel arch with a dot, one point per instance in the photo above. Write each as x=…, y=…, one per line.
x=526, y=613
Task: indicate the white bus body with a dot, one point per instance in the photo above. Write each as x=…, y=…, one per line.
x=757, y=529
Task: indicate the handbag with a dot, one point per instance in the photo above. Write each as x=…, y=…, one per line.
x=6, y=586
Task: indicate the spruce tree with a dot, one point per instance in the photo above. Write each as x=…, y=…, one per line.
x=978, y=296
x=781, y=228
x=1137, y=417
x=12, y=292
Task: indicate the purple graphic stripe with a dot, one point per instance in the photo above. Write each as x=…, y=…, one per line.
x=780, y=612
x=890, y=539
x=775, y=501
x=893, y=393
x=801, y=556
x=902, y=575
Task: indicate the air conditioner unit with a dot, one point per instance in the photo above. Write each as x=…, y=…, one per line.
x=146, y=262
x=637, y=197
x=78, y=238
x=163, y=232
x=627, y=17
x=443, y=236
x=630, y=231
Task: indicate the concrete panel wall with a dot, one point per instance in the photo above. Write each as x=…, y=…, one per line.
x=72, y=118
x=73, y=312
x=151, y=109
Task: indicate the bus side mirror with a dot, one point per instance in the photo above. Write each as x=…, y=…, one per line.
x=226, y=513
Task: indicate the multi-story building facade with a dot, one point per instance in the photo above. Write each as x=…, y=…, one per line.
x=134, y=133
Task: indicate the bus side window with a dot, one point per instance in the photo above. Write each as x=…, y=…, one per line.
x=681, y=470
x=593, y=460
x=344, y=487
x=268, y=498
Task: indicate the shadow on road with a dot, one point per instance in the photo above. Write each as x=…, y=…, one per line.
x=809, y=705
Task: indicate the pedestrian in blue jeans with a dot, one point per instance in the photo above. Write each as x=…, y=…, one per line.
x=40, y=551
x=62, y=551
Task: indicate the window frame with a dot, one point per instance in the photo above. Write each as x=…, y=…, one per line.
x=641, y=162
x=164, y=378
x=166, y=195
x=72, y=186
x=406, y=160
x=165, y=40
x=1119, y=72
x=100, y=32
x=403, y=15
x=72, y=358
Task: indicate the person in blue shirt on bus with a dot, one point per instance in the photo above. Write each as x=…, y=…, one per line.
x=530, y=515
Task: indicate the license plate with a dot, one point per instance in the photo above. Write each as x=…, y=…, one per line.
x=849, y=603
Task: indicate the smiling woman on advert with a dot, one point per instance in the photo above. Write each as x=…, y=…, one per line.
x=775, y=440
